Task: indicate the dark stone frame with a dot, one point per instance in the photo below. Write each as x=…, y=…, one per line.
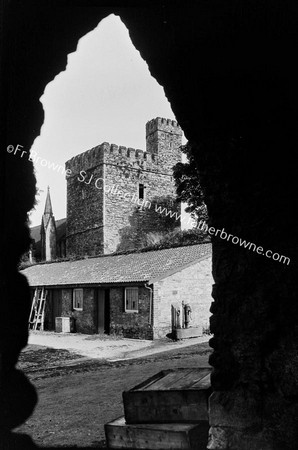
x=228, y=69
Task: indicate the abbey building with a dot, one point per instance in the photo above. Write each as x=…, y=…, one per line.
x=111, y=188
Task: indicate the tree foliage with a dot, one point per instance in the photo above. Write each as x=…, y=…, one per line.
x=189, y=190
x=149, y=224
x=184, y=237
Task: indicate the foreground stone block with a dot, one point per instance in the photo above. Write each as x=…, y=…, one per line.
x=156, y=436
x=179, y=395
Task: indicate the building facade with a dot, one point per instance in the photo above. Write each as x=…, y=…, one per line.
x=130, y=295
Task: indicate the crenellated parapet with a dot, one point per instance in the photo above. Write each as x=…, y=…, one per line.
x=163, y=141
x=162, y=124
x=87, y=160
x=109, y=154
x=129, y=153
x=164, y=138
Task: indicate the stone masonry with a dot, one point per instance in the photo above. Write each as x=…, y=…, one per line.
x=108, y=185
x=192, y=285
x=85, y=321
x=130, y=325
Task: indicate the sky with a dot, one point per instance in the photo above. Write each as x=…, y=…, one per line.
x=106, y=94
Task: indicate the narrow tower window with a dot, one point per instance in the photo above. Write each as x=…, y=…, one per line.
x=141, y=191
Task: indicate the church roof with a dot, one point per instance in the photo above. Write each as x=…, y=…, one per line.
x=145, y=266
x=60, y=230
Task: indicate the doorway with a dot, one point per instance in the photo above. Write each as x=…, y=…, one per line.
x=103, y=311
x=56, y=306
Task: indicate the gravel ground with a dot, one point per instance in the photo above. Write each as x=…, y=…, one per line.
x=77, y=396
x=105, y=347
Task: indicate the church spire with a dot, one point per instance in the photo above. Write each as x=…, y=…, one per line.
x=48, y=206
x=48, y=231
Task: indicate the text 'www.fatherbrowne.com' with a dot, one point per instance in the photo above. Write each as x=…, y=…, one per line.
x=146, y=204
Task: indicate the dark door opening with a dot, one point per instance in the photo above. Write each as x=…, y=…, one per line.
x=53, y=308
x=103, y=311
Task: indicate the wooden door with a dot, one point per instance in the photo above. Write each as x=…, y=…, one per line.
x=103, y=311
x=100, y=310
x=107, y=311
x=57, y=305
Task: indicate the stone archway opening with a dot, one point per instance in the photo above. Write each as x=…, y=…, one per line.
x=48, y=154
x=239, y=105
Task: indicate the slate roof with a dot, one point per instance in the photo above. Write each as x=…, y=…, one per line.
x=35, y=233
x=148, y=266
x=60, y=228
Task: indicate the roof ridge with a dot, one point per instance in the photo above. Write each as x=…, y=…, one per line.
x=38, y=226
x=139, y=251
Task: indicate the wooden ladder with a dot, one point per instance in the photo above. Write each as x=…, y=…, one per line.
x=36, y=317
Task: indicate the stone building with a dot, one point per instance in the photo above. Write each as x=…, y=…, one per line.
x=229, y=73
x=111, y=187
x=111, y=190
x=130, y=294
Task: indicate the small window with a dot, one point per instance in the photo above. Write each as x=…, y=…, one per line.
x=131, y=299
x=78, y=299
x=141, y=191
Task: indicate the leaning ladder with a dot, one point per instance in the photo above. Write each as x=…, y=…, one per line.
x=36, y=317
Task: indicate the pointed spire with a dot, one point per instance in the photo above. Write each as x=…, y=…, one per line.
x=48, y=231
x=48, y=205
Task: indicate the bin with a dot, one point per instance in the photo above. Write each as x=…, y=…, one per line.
x=62, y=325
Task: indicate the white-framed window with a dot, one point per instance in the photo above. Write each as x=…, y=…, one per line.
x=131, y=299
x=77, y=299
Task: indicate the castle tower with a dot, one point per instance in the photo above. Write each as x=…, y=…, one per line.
x=112, y=189
x=48, y=231
x=163, y=139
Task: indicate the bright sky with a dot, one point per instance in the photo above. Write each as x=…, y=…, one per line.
x=106, y=94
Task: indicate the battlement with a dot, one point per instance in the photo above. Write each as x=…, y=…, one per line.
x=162, y=124
x=103, y=153
x=161, y=144
x=87, y=160
x=130, y=154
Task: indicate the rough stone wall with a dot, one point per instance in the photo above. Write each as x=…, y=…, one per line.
x=130, y=325
x=193, y=285
x=84, y=225
x=124, y=170
x=85, y=321
x=163, y=139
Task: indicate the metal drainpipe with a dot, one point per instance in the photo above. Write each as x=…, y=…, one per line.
x=150, y=302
